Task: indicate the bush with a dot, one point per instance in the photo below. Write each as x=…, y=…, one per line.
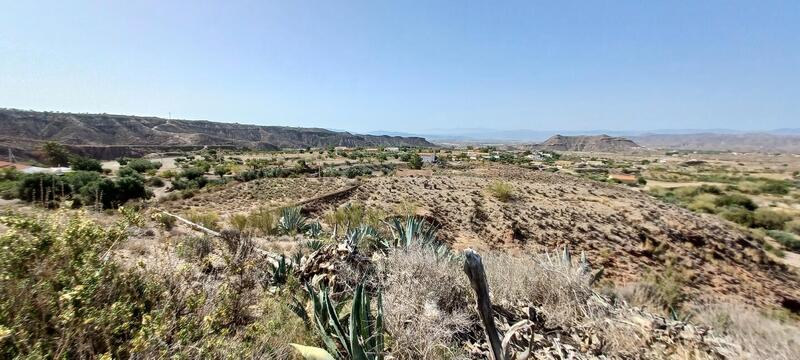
x=194, y=247
x=704, y=203
x=127, y=171
x=208, y=219
x=155, y=182
x=769, y=219
x=82, y=305
x=415, y=161
x=501, y=190
x=86, y=164
x=262, y=220
x=738, y=215
x=788, y=240
x=142, y=166
x=740, y=200
x=192, y=173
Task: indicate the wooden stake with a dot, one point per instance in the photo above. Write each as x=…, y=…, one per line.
x=473, y=266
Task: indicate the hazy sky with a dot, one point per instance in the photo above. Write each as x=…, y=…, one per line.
x=411, y=65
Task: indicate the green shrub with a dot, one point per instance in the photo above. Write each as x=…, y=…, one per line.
x=127, y=171
x=770, y=219
x=155, y=182
x=142, y=166
x=415, y=161
x=263, y=221
x=704, y=203
x=740, y=200
x=85, y=164
x=194, y=247
x=207, y=219
x=738, y=215
x=788, y=240
x=192, y=173
x=501, y=190
x=239, y=222
x=61, y=297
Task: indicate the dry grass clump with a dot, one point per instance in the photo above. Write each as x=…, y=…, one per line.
x=263, y=221
x=501, y=190
x=426, y=303
x=209, y=219
x=759, y=337
x=560, y=290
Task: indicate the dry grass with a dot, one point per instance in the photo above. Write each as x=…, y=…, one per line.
x=760, y=337
x=561, y=291
x=425, y=304
x=501, y=190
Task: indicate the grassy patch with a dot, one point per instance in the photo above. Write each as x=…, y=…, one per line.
x=501, y=190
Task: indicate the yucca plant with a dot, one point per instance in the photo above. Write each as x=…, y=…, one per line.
x=362, y=339
x=292, y=222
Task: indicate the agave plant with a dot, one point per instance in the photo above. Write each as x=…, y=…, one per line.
x=364, y=235
x=362, y=339
x=292, y=222
x=280, y=271
x=412, y=230
x=415, y=230
x=314, y=244
x=583, y=265
x=314, y=230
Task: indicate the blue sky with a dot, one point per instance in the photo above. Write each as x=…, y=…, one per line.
x=411, y=65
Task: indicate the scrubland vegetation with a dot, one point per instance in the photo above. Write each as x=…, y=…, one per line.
x=227, y=297
x=368, y=280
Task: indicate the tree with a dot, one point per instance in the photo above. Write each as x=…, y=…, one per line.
x=415, y=161
x=55, y=153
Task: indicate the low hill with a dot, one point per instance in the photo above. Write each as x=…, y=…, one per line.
x=596, y=143
x=748, y=142
x=96, y=133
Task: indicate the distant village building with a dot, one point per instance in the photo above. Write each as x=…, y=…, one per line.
x=50, y=170
x=393, y=148
x=623, y=178
x=428, y=158
x=341, y=148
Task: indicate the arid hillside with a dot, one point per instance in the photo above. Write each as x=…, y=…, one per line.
x=93, y=133
x=597, y=143
x=629, y=233
x=752, y=142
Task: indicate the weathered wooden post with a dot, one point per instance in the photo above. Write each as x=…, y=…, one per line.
x=473, y=266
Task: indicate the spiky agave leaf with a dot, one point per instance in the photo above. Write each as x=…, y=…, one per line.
x=292, y=221
x=311, y=352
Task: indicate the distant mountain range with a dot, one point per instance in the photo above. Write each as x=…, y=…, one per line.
x=777, y=140
x=105, y=135
x=526, y=135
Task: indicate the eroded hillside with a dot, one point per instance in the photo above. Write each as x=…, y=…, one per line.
x=630, y=234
